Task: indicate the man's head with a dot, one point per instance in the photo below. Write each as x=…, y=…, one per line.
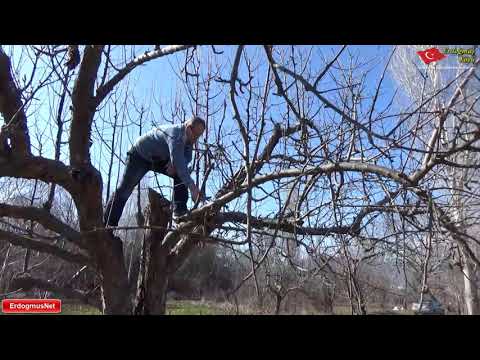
x=194, y=128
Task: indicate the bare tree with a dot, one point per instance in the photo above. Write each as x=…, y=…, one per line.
x=281, y=131
x=458, y=127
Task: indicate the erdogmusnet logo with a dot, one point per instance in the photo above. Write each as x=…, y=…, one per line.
x=42, y=306
x=431, y=55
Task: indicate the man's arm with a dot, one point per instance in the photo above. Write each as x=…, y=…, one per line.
x=188, y=153
x=179, y=162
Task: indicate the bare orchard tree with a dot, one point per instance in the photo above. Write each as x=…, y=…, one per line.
x=79, y=178
x=298, y=118
x=459, y=175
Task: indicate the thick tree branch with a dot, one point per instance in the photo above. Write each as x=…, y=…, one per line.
x=11, y=108
x=37, y=167
x=43, y=217
x=283, y=225
x=84, y=106
x=105, y=89
x=28, y=243
x=322, y=169
x=291, y=227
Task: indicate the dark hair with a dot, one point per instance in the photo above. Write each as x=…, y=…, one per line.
x=195, y=121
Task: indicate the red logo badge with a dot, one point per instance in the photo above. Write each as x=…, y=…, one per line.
x=431, y=55
x=32, y=306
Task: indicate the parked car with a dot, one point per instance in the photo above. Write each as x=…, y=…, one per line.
x=429, y=307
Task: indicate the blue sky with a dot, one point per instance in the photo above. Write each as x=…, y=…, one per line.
x=155, y=85
x=160, y=72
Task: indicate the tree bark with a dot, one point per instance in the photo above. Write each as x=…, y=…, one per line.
x=470, y=290
x=116, y=298
x=153, y=275
x=278, y=303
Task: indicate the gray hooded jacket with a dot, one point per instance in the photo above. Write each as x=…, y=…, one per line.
x=167, y=143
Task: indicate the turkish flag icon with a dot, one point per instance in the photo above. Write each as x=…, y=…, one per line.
x=431, y=55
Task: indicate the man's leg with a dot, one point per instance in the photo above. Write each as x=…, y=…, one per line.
x=180, y=197
x=135, y=170
x=180, y=191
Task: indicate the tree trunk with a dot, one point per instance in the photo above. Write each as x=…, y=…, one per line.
x=470, y=291
x=278, y=303
x=105, y=248
x=153, y=275
x=116, y=297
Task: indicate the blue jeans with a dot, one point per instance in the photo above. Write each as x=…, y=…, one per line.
x=135, y=170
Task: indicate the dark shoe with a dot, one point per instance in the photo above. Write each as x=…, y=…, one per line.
x=179, y=213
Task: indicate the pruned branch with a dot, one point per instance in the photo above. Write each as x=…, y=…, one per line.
x=73, y=57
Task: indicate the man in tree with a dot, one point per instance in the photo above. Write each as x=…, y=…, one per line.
x=166, y=149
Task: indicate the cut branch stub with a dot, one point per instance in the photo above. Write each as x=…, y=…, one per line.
x=153, y=277
x=73, y=57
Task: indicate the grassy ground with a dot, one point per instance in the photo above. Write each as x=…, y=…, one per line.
x=346, y=310
x=193, y=308
x=173, y=308
x=186, y=307
x=79, y=309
